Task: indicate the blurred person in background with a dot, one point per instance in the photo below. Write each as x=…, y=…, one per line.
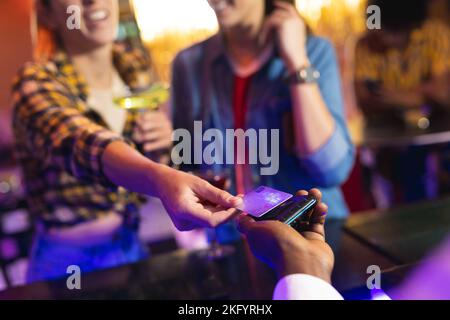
x=76, y=147
x=404, y=65
x=402, y=75
x=265, y=70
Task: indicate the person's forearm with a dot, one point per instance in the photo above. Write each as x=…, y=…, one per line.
x=313, y=123
x=126, y=167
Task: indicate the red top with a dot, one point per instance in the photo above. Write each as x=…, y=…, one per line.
x=240, y=91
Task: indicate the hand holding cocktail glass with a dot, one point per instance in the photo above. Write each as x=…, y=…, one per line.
x=153, y=130
x=153, y=133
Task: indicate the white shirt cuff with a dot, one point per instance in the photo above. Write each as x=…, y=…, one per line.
x=304, y=287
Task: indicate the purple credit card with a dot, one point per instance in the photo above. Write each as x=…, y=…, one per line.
x=261, y=200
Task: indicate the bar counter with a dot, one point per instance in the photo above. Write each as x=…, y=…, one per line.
x=395, y=240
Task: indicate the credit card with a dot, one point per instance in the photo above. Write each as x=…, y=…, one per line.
x=261, y=200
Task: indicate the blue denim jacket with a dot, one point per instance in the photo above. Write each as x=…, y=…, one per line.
x=202, y=88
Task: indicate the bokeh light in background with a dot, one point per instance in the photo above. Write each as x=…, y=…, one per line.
x=156, y=17
x=170, y=25
x=337, y=20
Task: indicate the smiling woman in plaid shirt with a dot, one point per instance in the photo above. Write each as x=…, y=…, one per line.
x=76, y=149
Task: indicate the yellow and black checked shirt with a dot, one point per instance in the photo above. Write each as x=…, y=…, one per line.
x=427, y=55
x=60, y=140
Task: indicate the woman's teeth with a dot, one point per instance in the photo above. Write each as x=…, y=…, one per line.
x=98, y=15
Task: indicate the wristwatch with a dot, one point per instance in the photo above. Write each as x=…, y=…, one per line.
x=305, y=74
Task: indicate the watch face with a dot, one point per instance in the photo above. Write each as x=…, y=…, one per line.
x=304, y=75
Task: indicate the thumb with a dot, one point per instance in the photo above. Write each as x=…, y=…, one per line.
x=244, y=223
x=208, y=192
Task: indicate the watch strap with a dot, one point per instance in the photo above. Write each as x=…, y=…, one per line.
x=307, y=74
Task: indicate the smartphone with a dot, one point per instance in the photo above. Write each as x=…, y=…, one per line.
x=265, y=203
x=270, y=6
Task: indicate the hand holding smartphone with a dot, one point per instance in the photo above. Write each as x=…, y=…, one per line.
x=265, y=203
